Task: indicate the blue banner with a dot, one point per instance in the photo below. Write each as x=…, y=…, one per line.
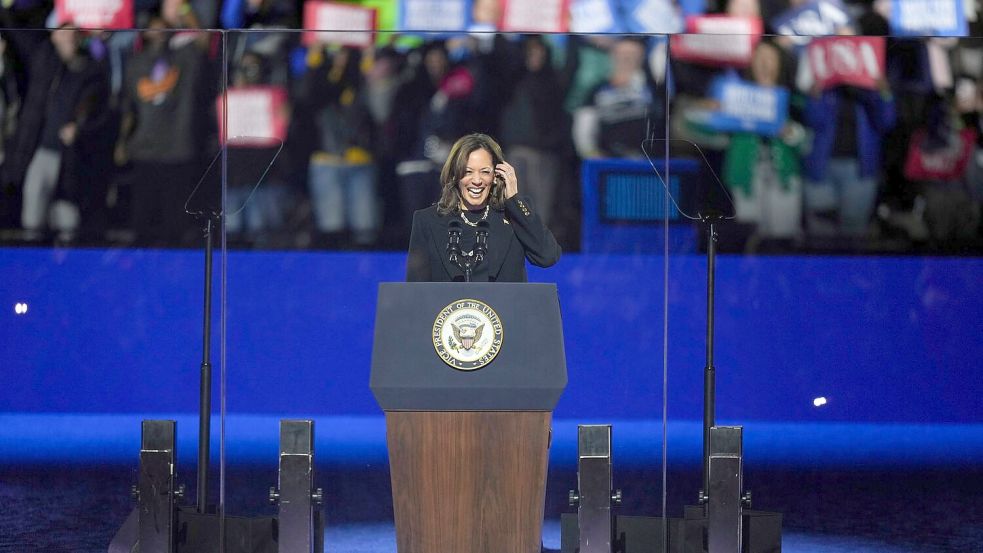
x=747, y=107
x=818, y=18
x=438, y=16
x=928, y=18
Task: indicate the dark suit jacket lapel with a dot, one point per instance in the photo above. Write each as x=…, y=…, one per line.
x=438, y=235
x=499, y=242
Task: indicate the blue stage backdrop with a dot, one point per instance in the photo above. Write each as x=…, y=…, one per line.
x=884, y=340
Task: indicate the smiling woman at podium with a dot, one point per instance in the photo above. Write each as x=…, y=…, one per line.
x=481, y=229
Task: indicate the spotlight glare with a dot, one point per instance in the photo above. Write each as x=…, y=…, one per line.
x=819, y=401
x=20, y=308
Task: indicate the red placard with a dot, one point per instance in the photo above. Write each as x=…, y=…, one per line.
x=717, y=40
x=257, y=115
x=95, y=14
x=944, y=164
x=847, y=60
x=535, y=16
x=351, y=25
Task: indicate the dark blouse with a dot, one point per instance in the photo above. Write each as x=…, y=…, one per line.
x=515, y=234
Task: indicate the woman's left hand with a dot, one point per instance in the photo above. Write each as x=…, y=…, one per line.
x=507, y=173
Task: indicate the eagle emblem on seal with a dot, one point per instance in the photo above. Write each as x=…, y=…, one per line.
x=467, y=335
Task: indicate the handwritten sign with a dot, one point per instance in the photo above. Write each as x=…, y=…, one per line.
x=435, y=15
x=95, y=14
x=336, y=23
x=257, y=115
x=846, y=60
x=535, y=16
x=717, y=40
x=747, y=107
x=813, y=19
x=928, y=18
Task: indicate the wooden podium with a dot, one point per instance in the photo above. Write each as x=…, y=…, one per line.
x=468, y=447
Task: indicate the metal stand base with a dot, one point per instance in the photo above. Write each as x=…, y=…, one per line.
x=301, y=528
x=594, y=495
x=761, y=533
x=159, y=525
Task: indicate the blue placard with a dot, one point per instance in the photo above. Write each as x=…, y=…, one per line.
x=928, y=18
x=651, y=16
x=595, y=16
x=693, y=7
x=818, y=18
x=443, y=17
x=747, y=107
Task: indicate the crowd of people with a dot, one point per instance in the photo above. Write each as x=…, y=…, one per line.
x=106, y=135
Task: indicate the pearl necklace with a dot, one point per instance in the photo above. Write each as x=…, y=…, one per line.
x=483, y=217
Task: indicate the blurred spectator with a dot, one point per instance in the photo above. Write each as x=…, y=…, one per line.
x=761, y=172
x=844, y=164
x=536, y=128
x=167, y=119
x=622, y=110
x=265, y=19
x=257, y=213
x=485, y=14
x=432, y=109
x=939, y=156
x=62, y=122
x=259, y=14
x=342, y=174
x=382, y=83
x=10, y=100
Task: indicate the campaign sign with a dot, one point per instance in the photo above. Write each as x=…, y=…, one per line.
x=817, y=18
x=747, y=107
x=594, y=16
x=447, y=16
x=95, y=14
x=693, y=7
x=349, y=25
x=718, y=40
x=944, y=164
x=652, y=16
x=846, y=60
x=257, y=115
x=535, y=16
x=928, y=18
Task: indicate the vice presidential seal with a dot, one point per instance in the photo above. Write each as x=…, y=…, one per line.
x=467, y=334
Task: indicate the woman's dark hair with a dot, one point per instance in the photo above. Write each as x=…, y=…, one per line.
x=456, y=165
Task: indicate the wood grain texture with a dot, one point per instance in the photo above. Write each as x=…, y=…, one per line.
x=468, y=482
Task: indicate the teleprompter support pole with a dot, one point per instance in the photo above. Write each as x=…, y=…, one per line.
x=709, y=373
x=205, y=401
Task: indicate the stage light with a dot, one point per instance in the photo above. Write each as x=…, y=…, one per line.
x=20, y=308
x=819, y=401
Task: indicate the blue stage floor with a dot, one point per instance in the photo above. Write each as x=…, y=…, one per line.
x=65, y=480
x=381, y=538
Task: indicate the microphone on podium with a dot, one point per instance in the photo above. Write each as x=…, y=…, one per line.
x=454, y=241
x=481, y=242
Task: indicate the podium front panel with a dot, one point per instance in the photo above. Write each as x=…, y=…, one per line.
x=527, y=374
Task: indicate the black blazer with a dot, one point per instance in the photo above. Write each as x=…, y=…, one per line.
x=514, y=235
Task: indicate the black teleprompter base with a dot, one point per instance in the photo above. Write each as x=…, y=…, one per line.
x=199, y=533
x=762, y=533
